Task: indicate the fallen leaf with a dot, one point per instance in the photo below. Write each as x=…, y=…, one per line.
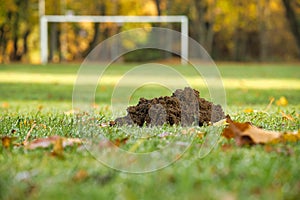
x=282, y=101
x=248, y=110
x=7, y=141
x=287, y=116
x=105, y=143
x=247, y=134
x=5, y=105
x=119, y=142
x=58, y=148
x=200, y=134
x=288, y=137
x=52, y=140
x=80, y=175
x=40, y=107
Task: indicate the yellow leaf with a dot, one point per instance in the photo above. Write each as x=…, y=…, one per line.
x=7, y=141
x=5, y=105
x=282, y=101
x=248, y=110
x=40, y=107
x=58, y=148
x=290, y=137
x=200, y=135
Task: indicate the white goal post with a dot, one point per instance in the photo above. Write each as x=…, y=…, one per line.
x=44, y=19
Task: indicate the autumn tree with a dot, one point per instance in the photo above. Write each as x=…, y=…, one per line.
x=235, y=30
x=16, y=23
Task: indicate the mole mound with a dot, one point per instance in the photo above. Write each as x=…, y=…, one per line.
x=184, y=107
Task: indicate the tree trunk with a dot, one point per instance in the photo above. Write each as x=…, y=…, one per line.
x=92, y=44
x=94, y=41
x=25, y=42
x=15, y=56
x=157, y=3
x=205, y=32
x=292, y=19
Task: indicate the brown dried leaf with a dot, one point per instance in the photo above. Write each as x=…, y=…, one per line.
x=119, y=142
x=247, y=134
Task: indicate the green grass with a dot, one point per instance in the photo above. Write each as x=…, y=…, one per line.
x=42, y=94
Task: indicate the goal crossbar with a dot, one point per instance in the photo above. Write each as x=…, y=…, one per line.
x=183, y=20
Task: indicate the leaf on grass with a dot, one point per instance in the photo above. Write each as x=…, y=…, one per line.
x=40, y=107
x=247, y=134
x=7, y=141
x=282, y=101
x=5, y=105
x=105, y=143
x=52, y=140
x=287, y=116
x=119, y=142
x=80, y=175
x=288, y=137
x=248, y=110
x=58, y=148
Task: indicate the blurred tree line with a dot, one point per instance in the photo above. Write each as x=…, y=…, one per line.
x=234, y=30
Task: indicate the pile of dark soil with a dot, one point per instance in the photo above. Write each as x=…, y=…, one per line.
x=184, y=107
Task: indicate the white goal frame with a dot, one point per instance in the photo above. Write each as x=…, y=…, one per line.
x=44, y=19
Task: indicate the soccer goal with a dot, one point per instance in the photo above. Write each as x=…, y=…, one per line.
x=44, y=19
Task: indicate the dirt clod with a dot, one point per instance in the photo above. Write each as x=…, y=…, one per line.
x=184, y=107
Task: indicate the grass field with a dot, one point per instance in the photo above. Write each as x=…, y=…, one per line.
x=43, y=94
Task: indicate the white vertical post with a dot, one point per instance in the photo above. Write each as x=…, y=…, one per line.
x=184, y=40
x=44, y=39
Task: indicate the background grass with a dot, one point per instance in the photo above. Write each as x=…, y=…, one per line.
x=42, y=94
